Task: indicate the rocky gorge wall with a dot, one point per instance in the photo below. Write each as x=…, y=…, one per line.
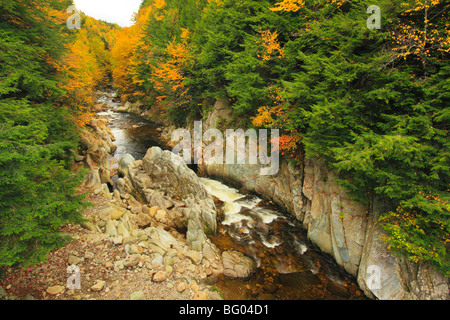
x=338, y=225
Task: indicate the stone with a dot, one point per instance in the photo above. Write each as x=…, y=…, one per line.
x=386, y=277
x=138, y=295
x=161, y=238
x=181, y=287
x=236, y=265
x=194, y=287
x=200, y=295
x=157, y=260
x=29, y=297
x=114, y=212
x=143, y=220
x=132, y=260
x=162, y=176
x=89, y=255
x=88, y=225
x=160, y=216
x=134, y=249
x=98, y=286
x=74, y=260
x=130, y=239
x=117, y=240
x=153, y=211
x=124, y=163
x=110, y=229
x=338, y=289
x=195, y=256
x=210, y=252
x=55, y=290
x=160, y=276
x=122, y=230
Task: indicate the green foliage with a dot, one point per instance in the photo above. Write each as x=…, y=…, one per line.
x=37, y=187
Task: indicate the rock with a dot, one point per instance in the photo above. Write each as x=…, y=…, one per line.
x=338, y=289
x=129, y=240
x=89, y=255
x=124, y=162
x=122, y=230
x=195, y=256
x=74, y=260
x=29, y=297
x=110, y=229
x=134, y=249
x=182, y=286
x=161, y=238
x=194, y=287
x=55, y=290
x=114, y=212
x=132, y=260
x=92, y=180
x=157, y=260
x=160, y=276
x=236, y=265
x=211, y=252
x=153, y=211
x=98, y=286
x=117, y=240
x=200, y=295
x=116, y=195
x=88, y=225
x=160, y=215
x=138, y=295
x=143, y=220
x=162, y=176
x=386, y=277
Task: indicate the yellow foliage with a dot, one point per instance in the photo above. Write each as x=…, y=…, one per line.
x=269, y=40
x=420, y=36
x=288, y=5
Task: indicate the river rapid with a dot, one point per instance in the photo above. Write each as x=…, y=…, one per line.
x=289, y=266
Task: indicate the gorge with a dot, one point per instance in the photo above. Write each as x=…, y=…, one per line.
x=337, y=225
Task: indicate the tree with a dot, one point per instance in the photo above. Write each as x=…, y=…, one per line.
x=37, y=187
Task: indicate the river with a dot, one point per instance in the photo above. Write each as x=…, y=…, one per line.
x=289, y=266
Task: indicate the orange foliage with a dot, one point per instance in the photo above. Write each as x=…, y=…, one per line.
x=124, y=60
x=269, y=41
x=288, y=5
x=274, y=117
x=169, y=73
x=85, y=66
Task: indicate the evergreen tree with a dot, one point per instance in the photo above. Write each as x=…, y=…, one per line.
x=37, y=187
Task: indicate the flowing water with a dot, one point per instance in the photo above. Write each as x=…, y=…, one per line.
x=289, y=266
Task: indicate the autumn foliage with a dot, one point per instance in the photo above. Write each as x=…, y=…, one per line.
x=86, y=66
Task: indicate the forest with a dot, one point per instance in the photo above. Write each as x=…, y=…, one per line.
x=371, y=103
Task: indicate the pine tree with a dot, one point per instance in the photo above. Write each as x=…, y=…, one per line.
x=37, y=187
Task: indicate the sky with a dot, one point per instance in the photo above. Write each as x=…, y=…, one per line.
x=116, y=11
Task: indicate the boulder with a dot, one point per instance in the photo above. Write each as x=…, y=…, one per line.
x=132, y=260
x=55, y=290
x=124, y=162
x=98, y=286
x=114, y=212
x=164, y=180
x=236, y=265
x=160, y=276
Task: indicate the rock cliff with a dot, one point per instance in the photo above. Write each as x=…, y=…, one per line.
x=340, y=226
